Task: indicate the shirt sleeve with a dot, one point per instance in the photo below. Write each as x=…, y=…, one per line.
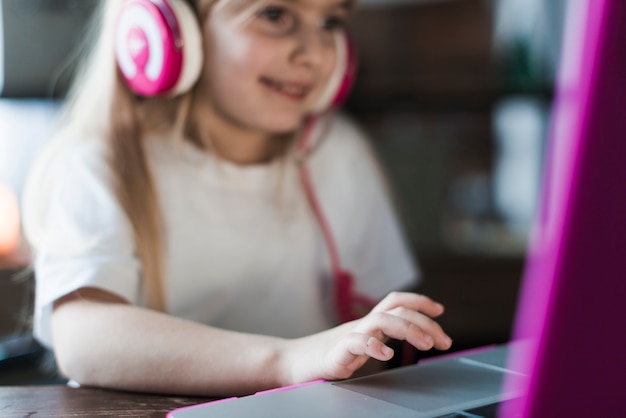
x=371, y=241
x=86, y=239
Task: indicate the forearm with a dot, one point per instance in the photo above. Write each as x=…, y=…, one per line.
x=100, y=341
x=125, y=347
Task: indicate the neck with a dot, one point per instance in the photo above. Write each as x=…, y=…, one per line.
x=231, y=141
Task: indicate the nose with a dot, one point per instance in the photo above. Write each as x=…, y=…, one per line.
x=312, y=46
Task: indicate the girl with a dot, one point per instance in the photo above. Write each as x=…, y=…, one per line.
x=176, y=218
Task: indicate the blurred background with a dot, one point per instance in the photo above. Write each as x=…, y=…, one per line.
x=454, y=94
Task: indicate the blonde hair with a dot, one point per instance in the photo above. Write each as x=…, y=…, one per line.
x=100, y=105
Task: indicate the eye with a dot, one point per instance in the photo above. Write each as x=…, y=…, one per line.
x=333, y=23
x=273, y=13
x=276, y=19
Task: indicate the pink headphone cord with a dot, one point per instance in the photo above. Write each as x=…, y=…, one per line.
x=348, y=304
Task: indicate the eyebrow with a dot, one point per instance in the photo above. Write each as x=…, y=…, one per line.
x=347, y=5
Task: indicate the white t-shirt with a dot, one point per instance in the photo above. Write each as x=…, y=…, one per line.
x=243, y=250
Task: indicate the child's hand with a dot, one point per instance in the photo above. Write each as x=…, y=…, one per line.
x=339, y=352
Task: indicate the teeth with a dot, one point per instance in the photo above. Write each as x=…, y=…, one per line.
x=292, y=89
x=287, y=88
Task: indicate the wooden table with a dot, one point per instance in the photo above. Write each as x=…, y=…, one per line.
x=63, y=401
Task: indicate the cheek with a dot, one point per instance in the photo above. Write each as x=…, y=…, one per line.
x=225, y=75
x=233, y=50
x=325, y=74
x=236, y=61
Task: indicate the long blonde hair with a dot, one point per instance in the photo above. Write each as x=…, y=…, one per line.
x=100, y=105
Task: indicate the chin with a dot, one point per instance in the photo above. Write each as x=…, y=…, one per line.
x=282, y=126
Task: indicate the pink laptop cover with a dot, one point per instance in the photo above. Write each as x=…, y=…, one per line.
x=572, y=308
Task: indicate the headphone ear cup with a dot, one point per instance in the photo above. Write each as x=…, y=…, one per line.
x=343, y=76
x=158, y=46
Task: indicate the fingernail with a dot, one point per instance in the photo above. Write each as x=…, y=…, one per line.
x=388, y=352
x=447, y=341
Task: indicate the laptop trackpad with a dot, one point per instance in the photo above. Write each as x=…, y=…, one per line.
x=434, y=388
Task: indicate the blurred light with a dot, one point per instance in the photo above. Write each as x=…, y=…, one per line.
x=519, y=130
x=9, y=221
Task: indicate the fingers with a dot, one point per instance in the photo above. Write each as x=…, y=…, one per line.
x=405, y=324
x=422, y=331
x=359, y=344
x=407, y=316
x=352, y=351
x=412, y=301
x=402, y=316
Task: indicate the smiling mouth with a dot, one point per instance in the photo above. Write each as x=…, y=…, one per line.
x=294, y=91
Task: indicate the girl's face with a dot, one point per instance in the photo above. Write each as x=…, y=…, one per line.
x=266, y=65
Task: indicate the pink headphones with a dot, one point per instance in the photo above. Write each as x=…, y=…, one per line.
x=158, y=47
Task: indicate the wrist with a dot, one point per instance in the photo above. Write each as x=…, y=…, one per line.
x=287, y=363
x=298, y=362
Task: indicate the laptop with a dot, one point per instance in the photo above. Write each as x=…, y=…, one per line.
x=568, y=355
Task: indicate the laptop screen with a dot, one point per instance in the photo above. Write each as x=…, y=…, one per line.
x=572, y=306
